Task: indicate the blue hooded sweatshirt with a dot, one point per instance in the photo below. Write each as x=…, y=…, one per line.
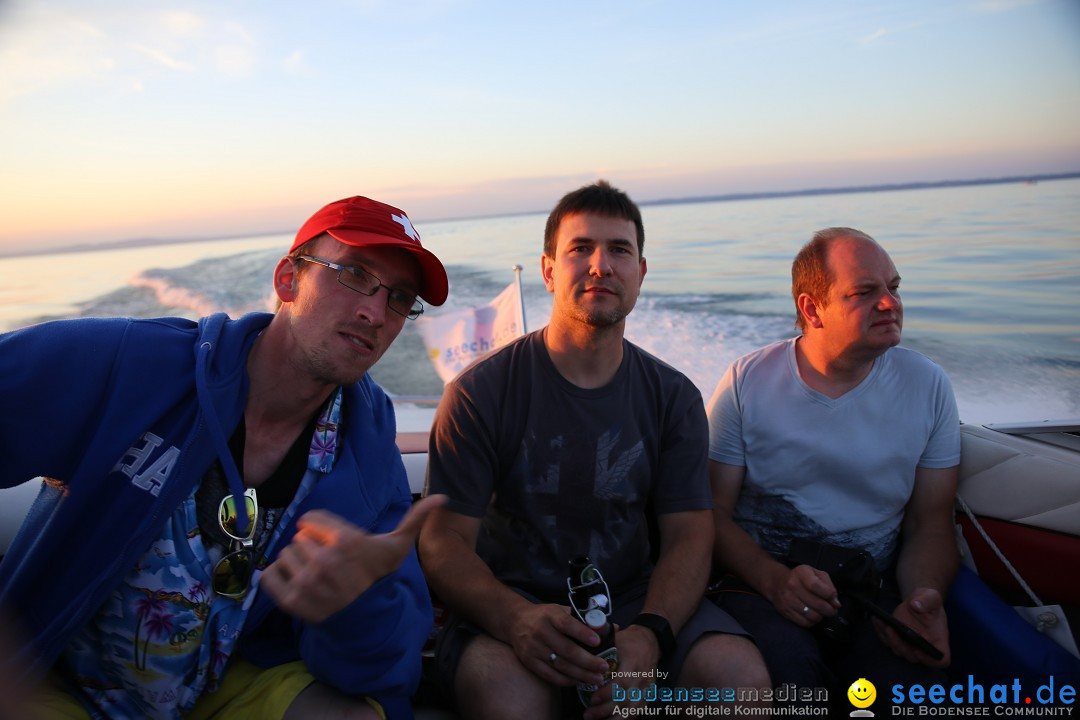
x=125, y=417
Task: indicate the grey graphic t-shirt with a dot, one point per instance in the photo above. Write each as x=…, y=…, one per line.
x=557, y=471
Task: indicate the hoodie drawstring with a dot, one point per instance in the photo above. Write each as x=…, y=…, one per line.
x=232, y=473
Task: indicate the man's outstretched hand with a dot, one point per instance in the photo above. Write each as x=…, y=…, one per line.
x=330, y=562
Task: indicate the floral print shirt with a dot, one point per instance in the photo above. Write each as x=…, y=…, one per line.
x=163, y=637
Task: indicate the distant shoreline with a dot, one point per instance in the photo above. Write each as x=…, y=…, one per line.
x=729, y=197
x=866, y=189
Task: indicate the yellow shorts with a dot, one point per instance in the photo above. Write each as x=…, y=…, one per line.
x=246, y=691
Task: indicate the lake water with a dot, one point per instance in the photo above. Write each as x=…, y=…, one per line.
x=991, y=284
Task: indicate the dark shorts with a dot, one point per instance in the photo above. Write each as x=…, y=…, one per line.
x=801, y=657
x=458, y=632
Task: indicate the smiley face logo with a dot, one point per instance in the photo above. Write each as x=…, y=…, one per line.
x=862, y=693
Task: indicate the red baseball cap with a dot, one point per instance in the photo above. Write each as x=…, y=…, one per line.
x=363, y=222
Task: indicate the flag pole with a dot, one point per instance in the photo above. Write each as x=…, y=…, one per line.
x=521, y=298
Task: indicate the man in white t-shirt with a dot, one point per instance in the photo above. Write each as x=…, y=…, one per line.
x=838, y=437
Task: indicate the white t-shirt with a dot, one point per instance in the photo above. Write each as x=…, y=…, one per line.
x=836, y=470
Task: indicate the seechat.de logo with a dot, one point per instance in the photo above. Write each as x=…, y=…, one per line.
x=1052, y=697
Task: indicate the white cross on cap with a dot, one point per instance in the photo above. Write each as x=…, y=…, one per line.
x=406, y=225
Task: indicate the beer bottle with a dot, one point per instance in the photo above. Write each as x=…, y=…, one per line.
x=591, y=601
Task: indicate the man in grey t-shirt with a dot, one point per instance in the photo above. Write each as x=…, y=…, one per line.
x=569, y=442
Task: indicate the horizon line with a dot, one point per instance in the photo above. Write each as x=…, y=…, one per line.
x=727, y=197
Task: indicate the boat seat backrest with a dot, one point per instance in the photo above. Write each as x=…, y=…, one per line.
x=1020, y=480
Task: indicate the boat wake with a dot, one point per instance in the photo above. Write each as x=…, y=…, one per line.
x=698, y=333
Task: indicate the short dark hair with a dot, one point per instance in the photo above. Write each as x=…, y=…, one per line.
x=810, y=272
x=599, y=198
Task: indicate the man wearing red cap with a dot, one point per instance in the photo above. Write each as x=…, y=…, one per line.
x=224, y=528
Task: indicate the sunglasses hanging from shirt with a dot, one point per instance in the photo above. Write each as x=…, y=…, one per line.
x=232, y=574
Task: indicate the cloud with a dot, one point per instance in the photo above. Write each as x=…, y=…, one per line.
x=183, y=23
x=41, y=48
x=894, y=27
x=48, y=46
x=1001, y=6
x=207, y=44
x=160, y=56
x=365, y=5
x=296, y=63
x=873, y=37
x=235, y=50
x=234, y=61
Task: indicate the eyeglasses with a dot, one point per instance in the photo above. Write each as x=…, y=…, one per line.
x=357, y=278
x=232, y=574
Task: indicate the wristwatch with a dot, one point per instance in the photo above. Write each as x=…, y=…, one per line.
x=661, y=629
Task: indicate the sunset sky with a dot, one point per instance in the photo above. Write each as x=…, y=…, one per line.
x=157, y=118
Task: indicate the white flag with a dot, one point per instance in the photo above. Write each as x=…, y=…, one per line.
x=456, y=339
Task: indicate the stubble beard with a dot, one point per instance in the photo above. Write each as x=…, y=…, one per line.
x=324, y=370
x=600, y=317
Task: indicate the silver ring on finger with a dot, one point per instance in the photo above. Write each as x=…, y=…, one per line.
x=805, y=610
x=552, y=658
